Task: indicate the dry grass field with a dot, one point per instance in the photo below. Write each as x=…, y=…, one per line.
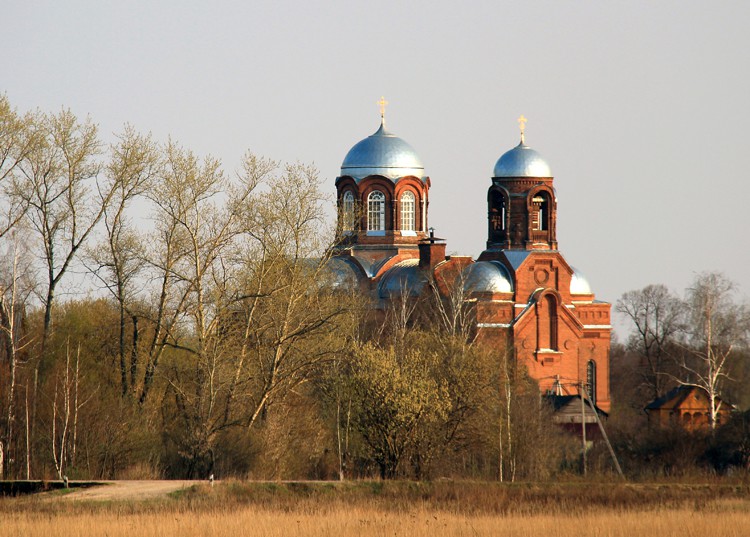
x=388, y=509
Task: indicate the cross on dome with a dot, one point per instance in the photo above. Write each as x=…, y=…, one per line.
x=382, y=103
x=522, y=124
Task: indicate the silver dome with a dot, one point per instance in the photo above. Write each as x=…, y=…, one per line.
x=579, y=285
x=522, y=161
x=383, y=154
x=487, y=277
x=403, y=279
x=341, y=274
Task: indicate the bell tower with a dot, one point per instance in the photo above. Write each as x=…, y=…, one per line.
x=547, y=309
x=521, y=202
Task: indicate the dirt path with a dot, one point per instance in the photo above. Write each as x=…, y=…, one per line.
x=128, y=490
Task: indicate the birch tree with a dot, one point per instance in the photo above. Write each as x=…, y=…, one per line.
x=67, y=402
x=718, y=326
x=16, y=286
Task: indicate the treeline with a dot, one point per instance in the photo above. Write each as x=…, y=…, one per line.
x=161, y=317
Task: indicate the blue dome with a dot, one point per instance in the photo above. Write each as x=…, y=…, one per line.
x=383, y=154
x=522, y=161
x=404, y=279
x=487, y=277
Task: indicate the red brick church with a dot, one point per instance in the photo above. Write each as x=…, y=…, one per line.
x=523, y=289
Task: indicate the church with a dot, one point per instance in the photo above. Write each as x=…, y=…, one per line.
x=523, y=290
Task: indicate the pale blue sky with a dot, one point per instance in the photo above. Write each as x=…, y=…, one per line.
x=640, y=107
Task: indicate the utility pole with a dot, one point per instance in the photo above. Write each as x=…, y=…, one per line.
x=606, y=439
x=583, y=428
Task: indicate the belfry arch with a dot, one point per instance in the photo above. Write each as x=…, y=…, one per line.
x=498, y=213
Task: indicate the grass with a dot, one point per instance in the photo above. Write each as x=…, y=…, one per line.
x=397, y=508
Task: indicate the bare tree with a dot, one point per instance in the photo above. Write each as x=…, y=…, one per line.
x=134, y=162
x=201, y=218
x=18, y=138
x=243, y=314
x=288, y=312
x=717, y=327
x=657, y=317
x=65, y=196
x=190, y=235
x=451, y=304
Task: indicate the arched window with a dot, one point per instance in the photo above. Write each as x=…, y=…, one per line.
x=347, y=207
x=540, y=214
x=552, y=308
x=591, y=380
x=408, y=213
x=547, y=327
x=498, y=216
x=376, y=211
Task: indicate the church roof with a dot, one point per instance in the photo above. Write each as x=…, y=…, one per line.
x=516, y=257
x=522, y=161
x=382, y=153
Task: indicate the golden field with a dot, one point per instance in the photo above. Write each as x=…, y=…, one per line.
x=360, y=521
x=388, y=509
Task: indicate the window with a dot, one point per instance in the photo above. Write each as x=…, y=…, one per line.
x=376, y=211
x=347, y=220
x=552, y=309
x=540, y=216
x=498, y=216
x=547, y=327
x=591, y=380
x=407, y=211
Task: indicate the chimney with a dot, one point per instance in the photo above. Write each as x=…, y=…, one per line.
x=431, y=252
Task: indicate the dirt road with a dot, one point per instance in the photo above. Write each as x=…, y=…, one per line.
x=128, y=490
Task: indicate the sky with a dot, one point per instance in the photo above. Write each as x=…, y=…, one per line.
x=640, y=107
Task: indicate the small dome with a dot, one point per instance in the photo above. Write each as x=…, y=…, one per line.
x=487, y=277
x=340, y=273
x=522, y=161
x=579, y=285
x=403, y=279
x=383, y=154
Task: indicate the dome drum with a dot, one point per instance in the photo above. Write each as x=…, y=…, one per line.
x=382, y=192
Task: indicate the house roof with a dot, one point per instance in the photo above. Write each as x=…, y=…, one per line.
x=562, y=402
x=676, y=397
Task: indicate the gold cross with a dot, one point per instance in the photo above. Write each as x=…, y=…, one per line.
x=522, y=123
x=382, y=103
